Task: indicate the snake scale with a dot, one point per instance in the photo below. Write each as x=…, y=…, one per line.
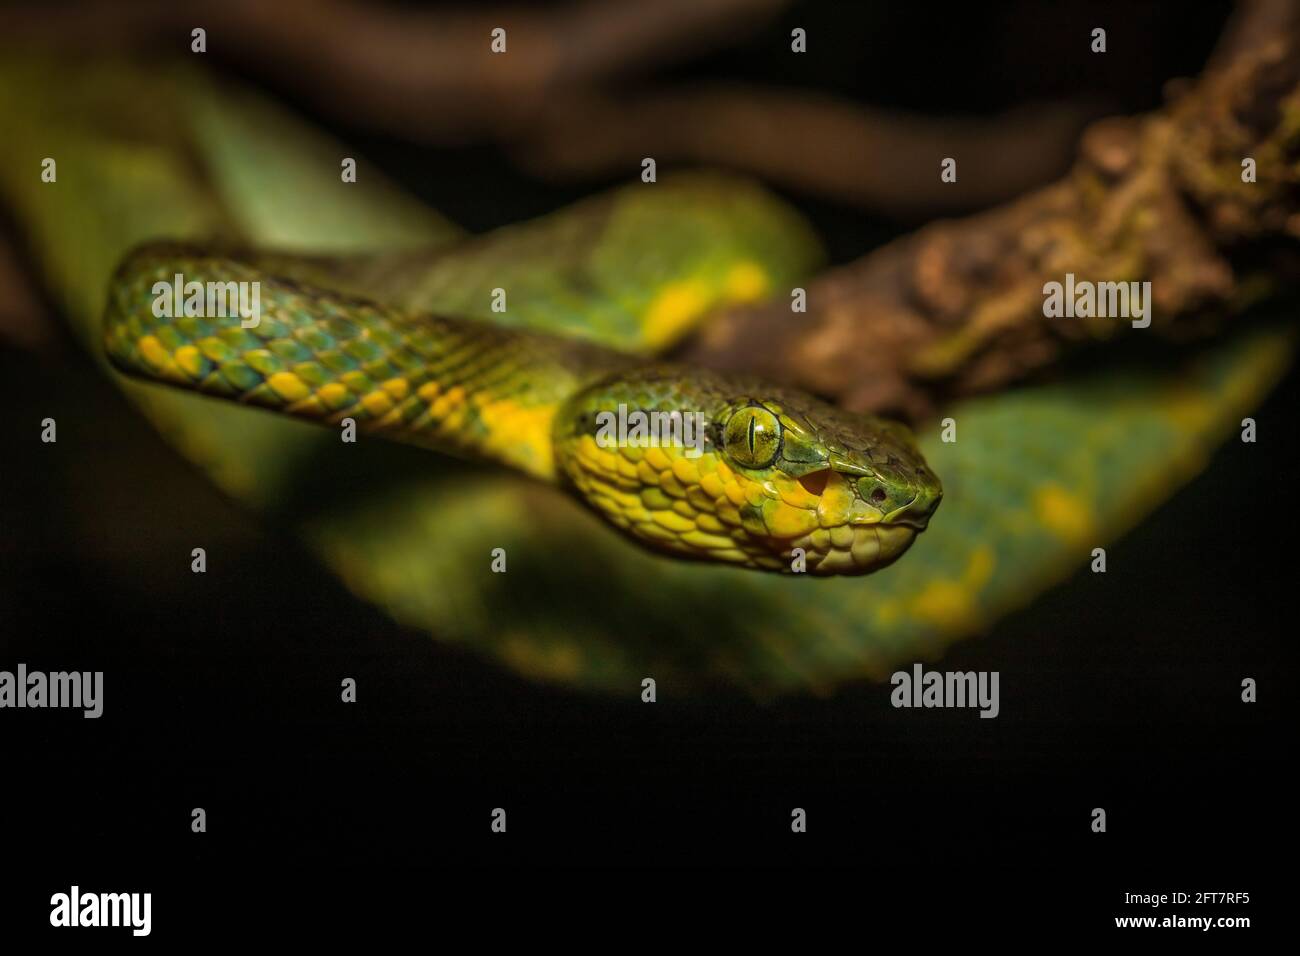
x=781, y=481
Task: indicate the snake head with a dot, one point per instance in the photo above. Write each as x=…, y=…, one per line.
x=765, y=471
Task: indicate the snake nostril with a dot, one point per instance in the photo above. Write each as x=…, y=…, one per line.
x=878, y=494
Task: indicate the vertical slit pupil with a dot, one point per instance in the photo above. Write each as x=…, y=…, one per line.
x=752, y=420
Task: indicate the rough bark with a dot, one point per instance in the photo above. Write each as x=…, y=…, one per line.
x=957, y=307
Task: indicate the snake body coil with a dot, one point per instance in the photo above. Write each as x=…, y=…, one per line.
x=775, y=470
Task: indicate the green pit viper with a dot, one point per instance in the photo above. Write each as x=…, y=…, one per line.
x=1037, y=478
x=780, y=481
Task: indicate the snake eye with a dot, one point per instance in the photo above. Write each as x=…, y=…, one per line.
x=752, y=437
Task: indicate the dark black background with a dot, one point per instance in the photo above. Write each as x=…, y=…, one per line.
x=222, y=691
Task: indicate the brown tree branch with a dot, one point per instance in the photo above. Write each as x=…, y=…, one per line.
x=883, y=161
x=429, y=75
x=958, y=307
x=426, y=74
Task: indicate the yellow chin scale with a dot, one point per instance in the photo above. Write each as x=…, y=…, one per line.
x=700, y=507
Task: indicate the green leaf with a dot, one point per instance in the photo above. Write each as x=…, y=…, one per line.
x=1036, y=480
